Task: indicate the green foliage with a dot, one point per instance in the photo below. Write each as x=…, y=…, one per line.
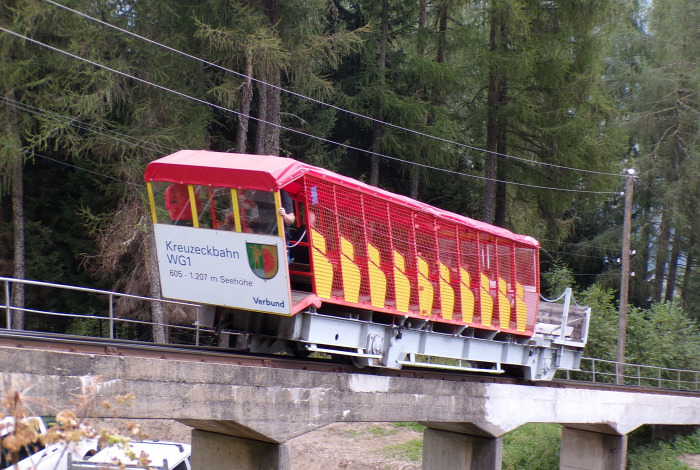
x=536, y=447
x=556, y=279
x=532, y=447
x=372, y=432
x=662, y=455
x=663, y=336
x=411, y=450
x=379, y=431
x=602, y=336
x=569, y=74
x=411, y=425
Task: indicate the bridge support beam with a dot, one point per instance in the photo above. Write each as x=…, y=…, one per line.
x=224, y=452
x=445, y=449
x=591, y=450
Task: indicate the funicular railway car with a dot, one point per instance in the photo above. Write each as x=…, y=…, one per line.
x=360, y=272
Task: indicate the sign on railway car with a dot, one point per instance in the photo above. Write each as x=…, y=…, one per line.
x=242, y=270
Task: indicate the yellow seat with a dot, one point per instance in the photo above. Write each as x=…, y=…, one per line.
x=402, y=285
x=503, y=304
x=322, y=267
x=485, y=300
x=349, y=271
x=520, y=307
x=377, y=278
x=425, y=288
x=466, y=296
x=447, y=294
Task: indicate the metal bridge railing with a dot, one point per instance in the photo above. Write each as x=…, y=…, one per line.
x=102, y=310
x=603, y=371
x=591, y=369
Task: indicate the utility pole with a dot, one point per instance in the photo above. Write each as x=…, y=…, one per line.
x=625, y=280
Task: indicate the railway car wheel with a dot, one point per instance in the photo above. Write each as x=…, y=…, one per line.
x=359, y=362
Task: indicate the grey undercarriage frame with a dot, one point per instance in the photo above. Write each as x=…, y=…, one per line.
x=374, y=339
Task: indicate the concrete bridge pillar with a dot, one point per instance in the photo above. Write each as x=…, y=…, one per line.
x=225, y=452
x=591, y=450
x=458, y=451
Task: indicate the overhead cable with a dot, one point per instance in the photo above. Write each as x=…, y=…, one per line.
x=337, y=108
x=126, y=139
x=304, y=134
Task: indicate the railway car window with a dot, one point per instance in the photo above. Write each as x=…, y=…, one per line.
x=258, y=213
x=222, y=216
x=171, y=204
x=160, y=213
x=250, y=212
x=177, y=203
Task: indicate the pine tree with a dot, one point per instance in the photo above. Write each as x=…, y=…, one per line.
x=543, y=102
x=667, y=112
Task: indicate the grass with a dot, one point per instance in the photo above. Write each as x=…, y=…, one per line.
x=661, y=455
x=412, y=425
x=532, y=447
x=372, y=432
x=537, y=447
x=411, y=450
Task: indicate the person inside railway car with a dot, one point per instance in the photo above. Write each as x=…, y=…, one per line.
x=286, y=210
x=177, y=202
x=258, y=211
x=229, y=222
x=299, y=239
x=250, y=215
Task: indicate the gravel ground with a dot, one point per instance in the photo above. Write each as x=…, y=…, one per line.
x=346, y=446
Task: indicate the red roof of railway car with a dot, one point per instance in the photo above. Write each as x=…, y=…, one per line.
x=271, y=173
x=233, y=170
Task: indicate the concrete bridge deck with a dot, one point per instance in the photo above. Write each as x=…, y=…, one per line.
x=242, y=416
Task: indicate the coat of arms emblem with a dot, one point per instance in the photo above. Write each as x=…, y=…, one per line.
x=263, y=259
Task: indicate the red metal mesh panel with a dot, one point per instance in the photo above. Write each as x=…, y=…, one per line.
x=404, y=245
x=378, y=220
x=469, y=260
x=387, y=257
x=505, y=268
x=322, y=206
x=424, y=228
x=527, y=274
x=487, y=253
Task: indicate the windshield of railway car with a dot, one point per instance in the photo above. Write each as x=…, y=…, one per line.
x=241, y=210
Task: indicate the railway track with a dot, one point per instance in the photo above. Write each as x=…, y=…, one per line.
x=205, y=354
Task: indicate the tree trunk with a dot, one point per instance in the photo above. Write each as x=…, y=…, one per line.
x=154, y=289
x=244, y=117
x=415, y=178
x=376, y=128
x=492, y=125
x=262, y=117
x=272, y=135
x=18, y=222
x=640, y=289
x=420, y=49
x=15, y=168
x=422, y=7
x=499, y=217
x=688, y=272
x=672, y=268
x=662, y=242
x=443, y=15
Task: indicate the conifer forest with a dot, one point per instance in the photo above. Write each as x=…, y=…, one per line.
x=526, y=114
